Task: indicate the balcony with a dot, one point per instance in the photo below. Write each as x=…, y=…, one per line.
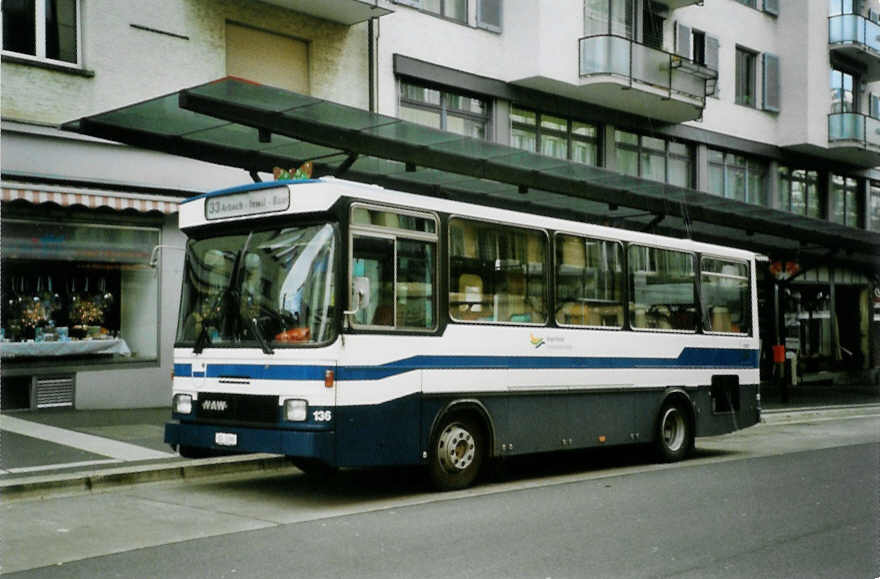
x=346, y=12
x=622, y=74
x=857, y=38
x=856, y=136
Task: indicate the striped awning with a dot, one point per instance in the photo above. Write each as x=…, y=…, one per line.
x=91, y=198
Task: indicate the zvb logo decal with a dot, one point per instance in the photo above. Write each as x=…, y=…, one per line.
x=536, y=341
x=214, y=405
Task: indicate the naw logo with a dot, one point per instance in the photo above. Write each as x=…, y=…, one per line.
x=536, y=341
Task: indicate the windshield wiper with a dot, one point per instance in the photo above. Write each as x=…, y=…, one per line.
x=217, y=308
x=255, y=330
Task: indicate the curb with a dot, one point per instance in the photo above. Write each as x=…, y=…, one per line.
x=782, y=415
x=39, y=487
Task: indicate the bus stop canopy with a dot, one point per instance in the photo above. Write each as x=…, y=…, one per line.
x=256, y=127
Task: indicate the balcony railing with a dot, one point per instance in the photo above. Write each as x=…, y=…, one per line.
x=854, y=29
x=854, y=128
x=611, y=55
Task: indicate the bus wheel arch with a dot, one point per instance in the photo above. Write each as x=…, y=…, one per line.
x=675, y=427
x=460, y=443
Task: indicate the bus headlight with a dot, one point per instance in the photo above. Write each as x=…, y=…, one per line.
x=182, y=403
x=295, y=410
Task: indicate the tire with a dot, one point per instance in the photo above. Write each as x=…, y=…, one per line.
x=675, y=432
x=458, y=450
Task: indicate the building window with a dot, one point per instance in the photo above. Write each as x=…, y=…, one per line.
x=444, y=110
x=738, y=177
x=799, y=191
x=745, y=77
x=844, y=200
x=554, y=136
x=44, y=29
x=874, y=206
x=842, y=93
x=489, y=15
x=653, y=158
x=452, y=9
x=749, y=3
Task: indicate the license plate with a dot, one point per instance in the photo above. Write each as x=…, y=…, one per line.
x=225, y=438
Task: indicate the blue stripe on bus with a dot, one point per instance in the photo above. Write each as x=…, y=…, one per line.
x=690, y=358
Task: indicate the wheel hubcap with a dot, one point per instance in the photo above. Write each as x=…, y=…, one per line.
x=673, y=429
x=456, y=448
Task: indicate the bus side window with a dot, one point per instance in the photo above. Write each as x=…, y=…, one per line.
x=373, y=258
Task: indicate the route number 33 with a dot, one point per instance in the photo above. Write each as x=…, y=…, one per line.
x=322, y=415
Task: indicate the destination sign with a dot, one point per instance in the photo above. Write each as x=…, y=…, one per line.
x=248, y=203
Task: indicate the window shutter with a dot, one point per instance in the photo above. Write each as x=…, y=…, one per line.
x=489, y=14
x=771, y=7
x=771, y=82
x=712, y=48
x=682, y=40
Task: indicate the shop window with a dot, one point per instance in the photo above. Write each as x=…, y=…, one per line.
x=553, y=136
x=44, y=29
x=589, y=282
x=725, y=295
x=79, y=290
x=444, y=110
x=661, y=289
x=496, y=273
x=738, y=177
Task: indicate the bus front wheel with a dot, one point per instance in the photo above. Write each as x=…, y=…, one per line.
x=675, y=432
x=457, y=451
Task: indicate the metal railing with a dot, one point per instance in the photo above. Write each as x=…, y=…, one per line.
x=854, y=29
x=857, y=128
x=609, y=54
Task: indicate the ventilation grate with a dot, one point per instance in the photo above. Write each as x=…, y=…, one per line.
x=53, y=391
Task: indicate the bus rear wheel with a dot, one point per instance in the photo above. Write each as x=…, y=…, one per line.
x=458, y=448
x=675, y=432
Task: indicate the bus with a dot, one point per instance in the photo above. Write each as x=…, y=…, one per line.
x=348, y=325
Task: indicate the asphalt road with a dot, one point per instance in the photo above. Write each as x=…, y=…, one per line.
x=790, y=500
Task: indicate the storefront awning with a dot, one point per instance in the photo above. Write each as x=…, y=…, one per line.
x=255, y=127
x=91, y=198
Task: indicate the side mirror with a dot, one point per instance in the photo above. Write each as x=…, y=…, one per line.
x=360, y=295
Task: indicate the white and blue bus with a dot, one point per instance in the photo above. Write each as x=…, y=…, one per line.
x=344, y=324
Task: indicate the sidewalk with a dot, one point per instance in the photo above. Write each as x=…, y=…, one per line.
x=67, y=450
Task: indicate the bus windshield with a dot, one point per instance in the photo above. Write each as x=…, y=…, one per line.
x=269, y=288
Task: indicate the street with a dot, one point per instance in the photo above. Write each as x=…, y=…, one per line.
x=794, y=499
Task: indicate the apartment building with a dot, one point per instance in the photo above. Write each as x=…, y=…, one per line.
x=756, y=107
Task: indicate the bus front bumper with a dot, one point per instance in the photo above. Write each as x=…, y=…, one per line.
x=297, y=443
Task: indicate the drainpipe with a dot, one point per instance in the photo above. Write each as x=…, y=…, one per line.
x=371, y=65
